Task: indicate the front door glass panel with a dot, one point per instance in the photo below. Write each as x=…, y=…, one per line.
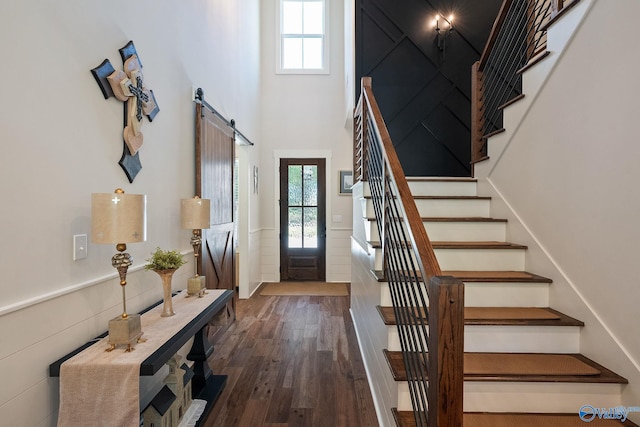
x=303, y=206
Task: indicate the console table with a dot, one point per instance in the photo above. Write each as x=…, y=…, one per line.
x=158, y=350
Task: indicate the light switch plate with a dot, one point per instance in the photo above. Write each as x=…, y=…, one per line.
x=79, y=246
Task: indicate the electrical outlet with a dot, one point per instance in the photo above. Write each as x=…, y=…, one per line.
x=79, y=246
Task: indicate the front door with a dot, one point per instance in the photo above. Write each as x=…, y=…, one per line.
x=302, y=219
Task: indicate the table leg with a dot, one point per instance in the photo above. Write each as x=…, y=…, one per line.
x=199, y=353
x=204, y=385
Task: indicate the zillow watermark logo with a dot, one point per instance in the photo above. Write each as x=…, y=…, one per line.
x=588, y=413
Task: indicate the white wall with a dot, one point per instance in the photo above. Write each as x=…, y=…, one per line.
x=366, y=296
x=304, y=114
x=349, y=59
x=248, y=238
x=569, y=173
x=62, y=141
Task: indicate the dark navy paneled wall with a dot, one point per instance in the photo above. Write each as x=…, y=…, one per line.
x=424, y=93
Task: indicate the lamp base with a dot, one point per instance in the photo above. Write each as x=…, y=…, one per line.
x=125, y=331
x=196, y=286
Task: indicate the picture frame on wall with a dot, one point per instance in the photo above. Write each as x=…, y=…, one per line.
x=346, y=182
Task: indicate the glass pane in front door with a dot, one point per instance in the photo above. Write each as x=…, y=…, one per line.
x=303, y=206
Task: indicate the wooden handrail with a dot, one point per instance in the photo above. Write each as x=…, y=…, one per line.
x=517, y=39
x=418, y=233
x=495, y=30
x=432, y=351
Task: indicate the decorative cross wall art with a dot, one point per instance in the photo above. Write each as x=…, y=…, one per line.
x=127, y=85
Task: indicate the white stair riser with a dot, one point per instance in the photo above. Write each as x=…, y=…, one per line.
x=371, y=231
x=452, y=231
x=393, y=340
x=498, y=294
x=511, y=339
x=438, y=188
x=540, y=397
x=385, y=294
x=435, y=208
x=505, y=294
x=472, y=259
x=378, y=260
x=481, y=259
x=379, y=264
x=522, y=339
x=443, y=188
x=466, y=231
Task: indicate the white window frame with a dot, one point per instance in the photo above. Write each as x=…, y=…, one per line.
x=325, y=43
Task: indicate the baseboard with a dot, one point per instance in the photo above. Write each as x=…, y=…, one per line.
x=374, y=395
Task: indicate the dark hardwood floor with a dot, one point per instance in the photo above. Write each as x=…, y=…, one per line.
x=291, y=361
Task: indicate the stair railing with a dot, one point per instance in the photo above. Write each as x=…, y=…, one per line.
x=517, y=39
x=428, y=306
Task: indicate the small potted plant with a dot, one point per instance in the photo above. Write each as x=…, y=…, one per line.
x=165, y=263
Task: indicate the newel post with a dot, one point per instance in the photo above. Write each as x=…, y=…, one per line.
x=446, y=351
x=477, y=119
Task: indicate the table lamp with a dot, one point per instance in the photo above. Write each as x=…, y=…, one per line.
x=195, y=215
x=120, y=218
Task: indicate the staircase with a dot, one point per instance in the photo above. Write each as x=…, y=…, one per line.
x=522, y=365
x=522, y=362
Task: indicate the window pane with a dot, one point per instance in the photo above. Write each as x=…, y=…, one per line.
x=313, y=17
x=295, y=185
x=292, y=53
x=312, y=53
x=310, y=176
x=295, y=227
x=310, y=227
x=291, y=17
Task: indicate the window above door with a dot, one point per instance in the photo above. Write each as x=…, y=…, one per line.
x=302, y=46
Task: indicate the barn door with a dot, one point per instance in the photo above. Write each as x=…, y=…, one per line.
x=214, y=180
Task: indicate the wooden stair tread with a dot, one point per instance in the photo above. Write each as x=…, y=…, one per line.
x=537, y=57
x=484, y=276
x=479, y=160
x=464, y=245
x=440, y=179
x=496, y=276
x=522, y=367
x=516, y=316
x=444, y=197
x=494, y=133
x=477, y=245
x=511, y=101
x=486, y=419
x=453, y=219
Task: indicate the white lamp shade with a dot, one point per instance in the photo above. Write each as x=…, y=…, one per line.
x=118, y=218
x=195, y=213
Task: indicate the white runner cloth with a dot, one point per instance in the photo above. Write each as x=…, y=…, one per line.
x=99, y=388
